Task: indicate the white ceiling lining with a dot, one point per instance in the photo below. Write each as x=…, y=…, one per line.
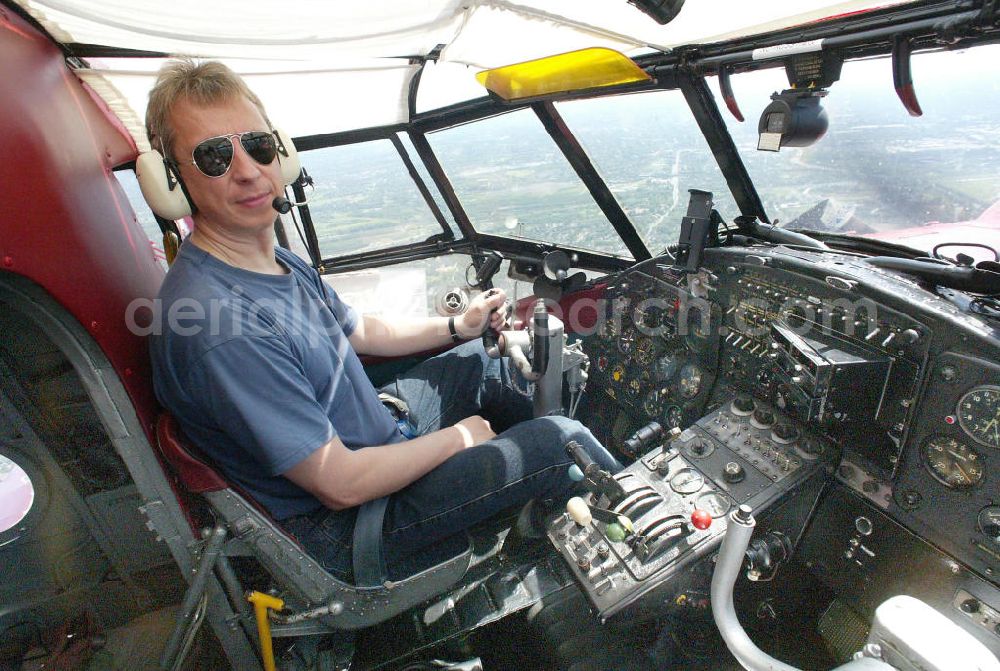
x=323, y=66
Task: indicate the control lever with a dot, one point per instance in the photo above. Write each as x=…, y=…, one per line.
x=619, y=527
x=490, y=342
x=540, y=339
x=666, y=532
x=597, y=480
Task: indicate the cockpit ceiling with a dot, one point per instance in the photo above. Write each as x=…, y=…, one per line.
x=359, y=51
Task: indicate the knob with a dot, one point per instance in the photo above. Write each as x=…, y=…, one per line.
x=701, y=519
x=663, y=468
x=733, y=472
x=909, y=336
x=989, y=522
x=743, y=404
x=579, y=511
x=970, y=606
x=763, y=418
x=783, y=432
x=615, y=532
x=697, y=447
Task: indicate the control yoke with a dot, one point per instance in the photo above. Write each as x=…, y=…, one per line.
x=898, y=639
x=543, y=342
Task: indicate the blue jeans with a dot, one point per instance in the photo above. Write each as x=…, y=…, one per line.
x=425, y=519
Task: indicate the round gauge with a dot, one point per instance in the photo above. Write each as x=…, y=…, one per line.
x=643, y=351
x=989, y=522
x=689, y=383
x=687, y=481
x=698, y=329
x=609, y=329
x=713, y=503
x=653, y=403
x=626, y=341
x=618, y=373
x=979, y=415
x=634, y=386
x=674, y=417
x=952, y=463
x=602, y=363
x=648, y=317
x=665, y=368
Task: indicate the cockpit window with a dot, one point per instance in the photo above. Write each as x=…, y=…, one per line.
x=17, y=494
x=879, y=170
x=364, y=199
x=649, y=150
x=513, y=181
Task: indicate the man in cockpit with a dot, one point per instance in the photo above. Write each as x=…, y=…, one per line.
x=263, y=374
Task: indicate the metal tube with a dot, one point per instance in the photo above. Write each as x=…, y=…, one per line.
x=548, y=388
x=209, y=555
x=727, y=569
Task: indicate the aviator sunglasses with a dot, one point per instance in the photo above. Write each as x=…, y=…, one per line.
x=214, y=155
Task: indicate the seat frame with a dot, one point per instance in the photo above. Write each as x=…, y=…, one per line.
x=316, y=601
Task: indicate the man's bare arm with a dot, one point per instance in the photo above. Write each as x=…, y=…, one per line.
x=342, y=478
x=384, y=337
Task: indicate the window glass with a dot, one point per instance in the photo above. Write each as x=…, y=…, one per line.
x=431, y=186
x=513, y=181
x=414, y=289
x=16, y=494
x=878, y=171
x=364, y=199
x=649, y=150
x=143, y=214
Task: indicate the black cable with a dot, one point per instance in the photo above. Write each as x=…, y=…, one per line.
x=934, y=251
x=295, y=220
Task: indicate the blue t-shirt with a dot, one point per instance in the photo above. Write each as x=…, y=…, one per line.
x=259, y=372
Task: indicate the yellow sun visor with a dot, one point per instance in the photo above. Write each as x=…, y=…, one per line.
x=581, y=70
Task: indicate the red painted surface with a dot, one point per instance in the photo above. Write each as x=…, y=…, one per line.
x=196, y=475
x=65, y=222
x=578, y=311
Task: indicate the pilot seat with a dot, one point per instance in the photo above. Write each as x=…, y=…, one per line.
x=315, y=602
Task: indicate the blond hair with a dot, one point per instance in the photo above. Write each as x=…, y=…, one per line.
x=207, y=83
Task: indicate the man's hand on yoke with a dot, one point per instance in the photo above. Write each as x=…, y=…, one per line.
x=481, y=311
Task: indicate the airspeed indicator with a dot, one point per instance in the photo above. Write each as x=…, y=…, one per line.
x=952, y=463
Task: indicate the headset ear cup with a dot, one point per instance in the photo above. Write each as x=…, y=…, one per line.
x=288, y=157
x=155, y=182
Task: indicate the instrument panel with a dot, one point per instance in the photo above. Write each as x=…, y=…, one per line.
x=655, y=353
x=905, y=386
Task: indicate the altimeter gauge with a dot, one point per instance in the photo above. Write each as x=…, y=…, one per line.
x=643, y=351
x=979, y=415
x=952, y=462
x=690, y=380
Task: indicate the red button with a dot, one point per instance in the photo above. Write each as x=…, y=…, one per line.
x=701, y=519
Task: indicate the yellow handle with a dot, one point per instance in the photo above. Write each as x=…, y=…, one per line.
x=261, y=602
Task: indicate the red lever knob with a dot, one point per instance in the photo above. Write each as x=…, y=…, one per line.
x=701, y=519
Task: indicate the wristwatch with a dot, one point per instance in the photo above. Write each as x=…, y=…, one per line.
x=455, y=337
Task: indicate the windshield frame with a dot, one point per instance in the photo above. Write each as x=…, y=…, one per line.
x=686, y=69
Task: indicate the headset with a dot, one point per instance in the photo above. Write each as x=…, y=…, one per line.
x=165, y=193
